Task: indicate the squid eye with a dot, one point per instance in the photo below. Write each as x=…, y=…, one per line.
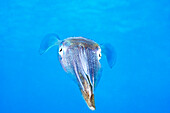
x=100, y=55
x=60, y=50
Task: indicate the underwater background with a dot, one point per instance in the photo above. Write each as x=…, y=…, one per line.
x=139, y=30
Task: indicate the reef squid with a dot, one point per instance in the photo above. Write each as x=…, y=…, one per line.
x=80, y=57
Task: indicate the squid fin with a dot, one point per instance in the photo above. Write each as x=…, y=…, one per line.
x=49, y=41
x=109, y=52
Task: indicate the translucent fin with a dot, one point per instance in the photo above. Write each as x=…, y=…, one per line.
x=110, y=53
x=49, y=41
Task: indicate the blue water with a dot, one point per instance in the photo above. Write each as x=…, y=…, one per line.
x=139, y=30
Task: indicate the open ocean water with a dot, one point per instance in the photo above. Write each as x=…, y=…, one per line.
x=139, y=30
